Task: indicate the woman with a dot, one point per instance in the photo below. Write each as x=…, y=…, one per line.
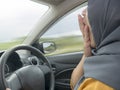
x=102, y=32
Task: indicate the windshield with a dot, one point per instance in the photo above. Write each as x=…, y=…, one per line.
x=17, y=18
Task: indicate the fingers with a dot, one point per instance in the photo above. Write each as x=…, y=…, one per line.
x=84, y=12
x=87, y=34
x=87, y=42
x=82, y=21
x=87, y=37
x=81, y=24
x=84, y=29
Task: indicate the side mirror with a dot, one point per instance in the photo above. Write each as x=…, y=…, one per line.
x=48, y=47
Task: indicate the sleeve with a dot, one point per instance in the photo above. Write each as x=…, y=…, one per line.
x=92, y=84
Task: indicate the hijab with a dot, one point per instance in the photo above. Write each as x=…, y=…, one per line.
x=104, y=65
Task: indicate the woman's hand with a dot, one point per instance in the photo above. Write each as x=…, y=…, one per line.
x=84, y=27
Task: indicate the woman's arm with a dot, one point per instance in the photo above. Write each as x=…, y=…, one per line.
x=77, y=73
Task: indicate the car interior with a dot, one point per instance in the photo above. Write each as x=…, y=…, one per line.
x=41, y=62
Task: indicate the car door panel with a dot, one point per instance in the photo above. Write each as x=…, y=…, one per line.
x=63, y=66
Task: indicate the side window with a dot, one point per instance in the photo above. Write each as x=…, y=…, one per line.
x=64, y=36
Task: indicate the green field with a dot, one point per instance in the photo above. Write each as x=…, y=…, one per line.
x=63, y=44
x=6, y=45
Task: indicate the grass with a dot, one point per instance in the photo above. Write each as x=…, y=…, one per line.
x=63, y=44
x=7, y=45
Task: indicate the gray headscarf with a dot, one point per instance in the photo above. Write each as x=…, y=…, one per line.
x=104, y=65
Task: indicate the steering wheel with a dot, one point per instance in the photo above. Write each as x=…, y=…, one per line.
x=28, y=77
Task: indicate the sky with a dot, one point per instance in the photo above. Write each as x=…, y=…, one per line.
x=18, y=17
x=66, y=26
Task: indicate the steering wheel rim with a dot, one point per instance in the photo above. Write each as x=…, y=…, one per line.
x=36, y=52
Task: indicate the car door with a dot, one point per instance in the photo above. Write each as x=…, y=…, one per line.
x=63, y=46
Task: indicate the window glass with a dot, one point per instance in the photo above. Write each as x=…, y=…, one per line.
x=64, y=36
x=17, y=18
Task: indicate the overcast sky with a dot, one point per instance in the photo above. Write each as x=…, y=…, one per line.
x=18, y=17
